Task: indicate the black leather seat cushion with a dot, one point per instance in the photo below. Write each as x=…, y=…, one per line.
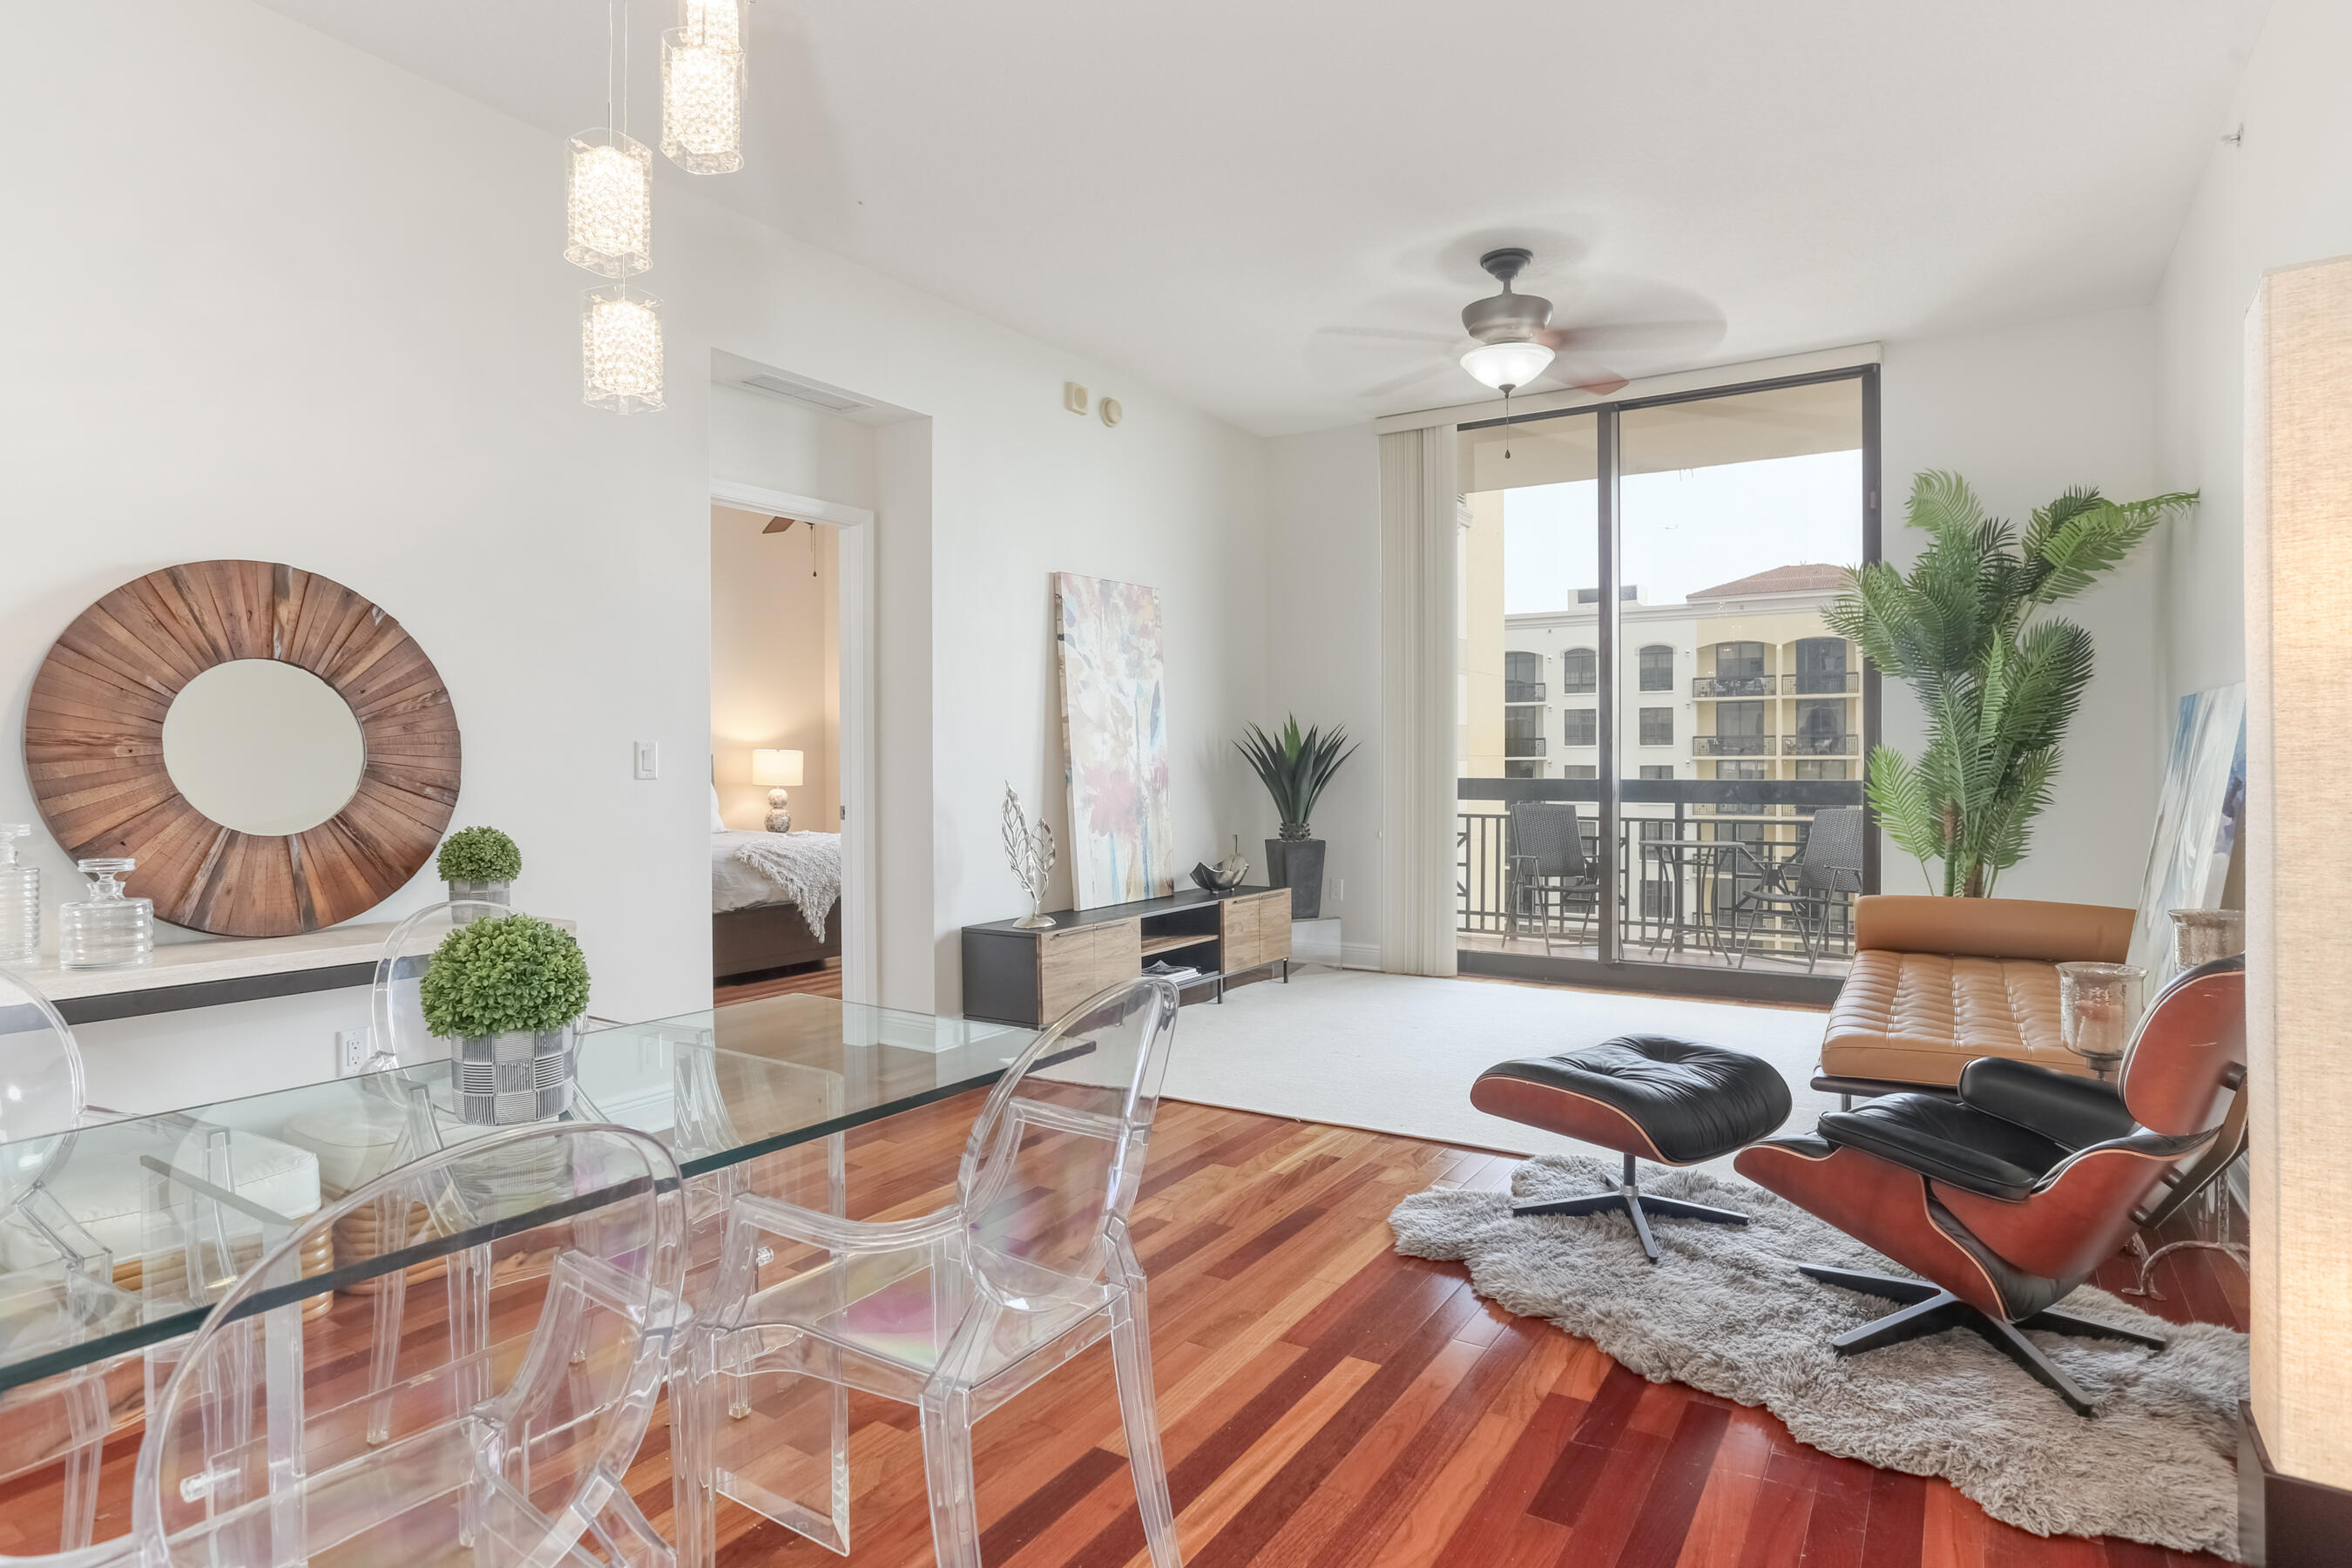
x=1950, y=1142
x=1693, y=1101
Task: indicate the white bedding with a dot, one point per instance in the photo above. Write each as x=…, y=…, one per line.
x=735, y=884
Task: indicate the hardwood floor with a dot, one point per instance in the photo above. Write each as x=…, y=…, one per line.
x=824, y=981
x=1326, y=1402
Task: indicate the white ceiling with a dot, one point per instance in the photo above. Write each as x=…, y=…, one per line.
x=1239, y=200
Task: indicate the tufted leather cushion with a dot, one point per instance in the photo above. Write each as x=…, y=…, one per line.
x=1954, y=1143
x=1920, y=1018
x=1676, y=1101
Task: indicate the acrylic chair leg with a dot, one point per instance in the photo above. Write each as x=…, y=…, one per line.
x=947, y=1471
x=1138, y=1409
x=695, y=1390
x=85, y=1423
x=391, y=1301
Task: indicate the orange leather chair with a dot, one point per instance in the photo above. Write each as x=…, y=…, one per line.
x=2007, y=1198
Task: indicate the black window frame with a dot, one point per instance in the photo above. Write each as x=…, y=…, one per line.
x=1570, y=683
x=1645, y=668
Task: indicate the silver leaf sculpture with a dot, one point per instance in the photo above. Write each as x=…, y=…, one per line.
x=1031, y=851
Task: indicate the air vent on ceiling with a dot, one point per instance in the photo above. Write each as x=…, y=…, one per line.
x=776, y=385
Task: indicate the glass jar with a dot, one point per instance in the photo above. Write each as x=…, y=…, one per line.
x=2098, y=1009
x=2199, y=936
x=106, y=930
x=20, y=900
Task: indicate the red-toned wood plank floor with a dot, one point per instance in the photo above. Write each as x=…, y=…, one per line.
x=1326, y=1402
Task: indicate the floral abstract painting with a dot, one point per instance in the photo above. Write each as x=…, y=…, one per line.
x=1114, y=740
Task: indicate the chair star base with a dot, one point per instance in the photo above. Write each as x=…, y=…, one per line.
x=1637, y=1206
x=1931, y=1309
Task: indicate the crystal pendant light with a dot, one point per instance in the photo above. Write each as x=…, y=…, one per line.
x=703, y=88
x=621, y=349
x=610, y=209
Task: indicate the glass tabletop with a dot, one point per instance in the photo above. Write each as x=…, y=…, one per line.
x=114, y=1204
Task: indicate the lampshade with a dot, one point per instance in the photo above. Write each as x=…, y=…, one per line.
x=621, y=349
x=1507, y=365
x=702, y=100
x=609, y=207
x=774, y=768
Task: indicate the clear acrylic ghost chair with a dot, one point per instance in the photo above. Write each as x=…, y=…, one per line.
x=57, y=1281
x=402, y=1040
x=512, y=1447
x=954, y=1313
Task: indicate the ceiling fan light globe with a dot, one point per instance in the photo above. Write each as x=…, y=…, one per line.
x=1507, y=365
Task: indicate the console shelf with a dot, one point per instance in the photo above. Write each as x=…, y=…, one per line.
x=1031, y=977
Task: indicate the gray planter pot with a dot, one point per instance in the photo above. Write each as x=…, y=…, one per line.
x=1297, y=864
x=505, y=1080
x=501, y=893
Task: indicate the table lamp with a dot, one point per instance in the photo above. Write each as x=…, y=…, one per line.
x=776, y=769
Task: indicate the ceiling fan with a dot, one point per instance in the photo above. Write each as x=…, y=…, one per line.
x=1516, y=346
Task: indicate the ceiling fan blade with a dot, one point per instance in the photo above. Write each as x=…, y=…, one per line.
x=1621, y=335
x=1392, y=334
x=780, y=524
x=1584, y=375
x=1398, y=383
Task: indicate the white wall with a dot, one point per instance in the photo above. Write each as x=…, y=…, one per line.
x=781, y=445
x=2282, y=196
x=2022, y=412
x=1323, y=647
x=340, y=334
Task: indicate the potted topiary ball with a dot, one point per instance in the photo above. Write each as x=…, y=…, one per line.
x=507, y=993
x=481, y=865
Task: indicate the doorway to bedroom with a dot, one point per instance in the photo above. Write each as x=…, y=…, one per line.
x=775, y=753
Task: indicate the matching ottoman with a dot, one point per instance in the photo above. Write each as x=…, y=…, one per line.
x=1673, y=1102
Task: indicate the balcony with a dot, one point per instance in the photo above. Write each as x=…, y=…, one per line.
x=1848, y=745
x=1732, y=746
x=1523, y=691
x=1517, y=746
x=1822, y=683
x=1733, y=686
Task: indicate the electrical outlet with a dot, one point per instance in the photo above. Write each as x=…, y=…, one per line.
x=1339, y=890
x=352, y=1048
x=648, y=759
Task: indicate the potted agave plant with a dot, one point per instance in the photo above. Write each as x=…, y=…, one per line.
x=1295, y=769
x=507, y=992
x=481, y=865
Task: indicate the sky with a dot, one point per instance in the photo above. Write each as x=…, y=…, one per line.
x=1683, y=529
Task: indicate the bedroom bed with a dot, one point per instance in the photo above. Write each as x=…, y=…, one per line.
x=775, y=903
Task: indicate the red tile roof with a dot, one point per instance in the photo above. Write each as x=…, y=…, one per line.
x=1803, y=579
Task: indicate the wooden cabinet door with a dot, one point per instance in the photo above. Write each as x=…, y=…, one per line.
x=1073, y=964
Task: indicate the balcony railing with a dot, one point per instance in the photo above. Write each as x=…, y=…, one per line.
x=1847, y=745
x=1676, y=903
x=1733, y=686
x=1731, y=745
x=1822, y=682
x=1523, y=691
x=1523, y=745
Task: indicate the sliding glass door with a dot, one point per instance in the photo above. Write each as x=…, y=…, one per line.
x=1660, y=738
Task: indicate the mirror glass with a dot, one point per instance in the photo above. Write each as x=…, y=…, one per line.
x=263, y=747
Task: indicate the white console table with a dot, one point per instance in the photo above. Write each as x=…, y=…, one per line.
x=210, y=970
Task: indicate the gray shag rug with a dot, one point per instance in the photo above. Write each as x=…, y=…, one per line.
x=1726, y=1312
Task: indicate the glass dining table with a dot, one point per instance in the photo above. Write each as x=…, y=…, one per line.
x=162, y=1197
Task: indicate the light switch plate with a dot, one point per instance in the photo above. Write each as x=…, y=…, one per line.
x=1073, y=397
x=648, y=759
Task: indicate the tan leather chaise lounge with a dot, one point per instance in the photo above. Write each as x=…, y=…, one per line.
x=1937, y=982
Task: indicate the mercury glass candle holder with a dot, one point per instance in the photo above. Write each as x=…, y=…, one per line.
x=2200, y=936
x=2098, y=1007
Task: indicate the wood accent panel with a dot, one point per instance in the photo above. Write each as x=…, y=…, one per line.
x=1476, y=1441
x=1255, y=929
x=94, y=746
x=1072, y=965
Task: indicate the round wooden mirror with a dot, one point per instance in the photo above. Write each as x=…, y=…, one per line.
x=262, y=746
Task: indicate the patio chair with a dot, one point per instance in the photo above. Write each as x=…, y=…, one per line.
x=1827, y=869
x=1549, y=869
x=508, y=1447
x=954, y=1313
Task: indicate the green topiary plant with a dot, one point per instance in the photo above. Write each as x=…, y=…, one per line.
x=478, y=855
x=1295, y=768
x=505, y=974
x=1998, y=684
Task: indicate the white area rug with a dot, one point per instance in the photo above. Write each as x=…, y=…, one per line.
x=1395, y=1053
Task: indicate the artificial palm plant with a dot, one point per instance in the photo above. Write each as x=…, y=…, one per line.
x=1295, y=768
x=1998, y=680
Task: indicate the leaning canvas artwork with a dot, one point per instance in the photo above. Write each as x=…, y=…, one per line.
x=1114, y=740
x=2197, y=816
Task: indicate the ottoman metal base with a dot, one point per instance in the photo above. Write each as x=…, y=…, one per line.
x=1637, y=1206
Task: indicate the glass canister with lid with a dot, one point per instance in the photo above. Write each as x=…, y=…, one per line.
x=20, y=899
x=108, y=929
